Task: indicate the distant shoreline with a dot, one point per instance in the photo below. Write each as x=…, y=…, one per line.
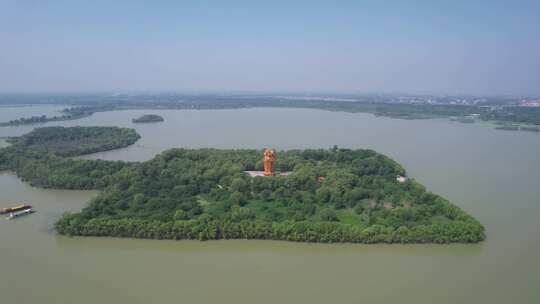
x=529, y=117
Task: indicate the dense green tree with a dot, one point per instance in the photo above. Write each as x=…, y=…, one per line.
x=328, y=215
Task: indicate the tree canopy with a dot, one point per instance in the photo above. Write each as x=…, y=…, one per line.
x=205, y=194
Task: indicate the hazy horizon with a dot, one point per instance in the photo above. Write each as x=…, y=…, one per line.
x=350, y=47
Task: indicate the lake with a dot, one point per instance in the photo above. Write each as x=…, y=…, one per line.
x=494, y=175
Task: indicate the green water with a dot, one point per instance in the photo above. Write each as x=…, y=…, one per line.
x=493, y=175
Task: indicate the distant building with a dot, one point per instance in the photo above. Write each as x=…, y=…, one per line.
x=269, y=170
x=401, y=179
x=530, y=103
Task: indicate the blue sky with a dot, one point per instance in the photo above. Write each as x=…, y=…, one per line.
x=472, y=47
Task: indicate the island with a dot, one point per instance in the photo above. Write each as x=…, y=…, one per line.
x=331, y=195
x=148, y=118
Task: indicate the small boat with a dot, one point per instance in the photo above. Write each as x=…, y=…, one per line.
x=20, y=207
x=15, y=214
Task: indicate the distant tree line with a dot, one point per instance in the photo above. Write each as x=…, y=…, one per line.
x=513, y=114
x=523, y=115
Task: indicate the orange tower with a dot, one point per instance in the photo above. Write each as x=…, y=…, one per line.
x=269, y=160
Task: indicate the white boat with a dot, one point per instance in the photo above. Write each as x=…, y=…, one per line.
x=15, y=214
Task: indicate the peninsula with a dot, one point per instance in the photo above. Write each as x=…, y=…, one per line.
x=43, y=157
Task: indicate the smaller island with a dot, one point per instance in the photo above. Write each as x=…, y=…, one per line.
x=148, y=118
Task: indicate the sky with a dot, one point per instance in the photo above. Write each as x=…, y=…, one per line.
x=446, y=47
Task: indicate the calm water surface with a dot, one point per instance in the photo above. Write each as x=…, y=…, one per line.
x=494, y=175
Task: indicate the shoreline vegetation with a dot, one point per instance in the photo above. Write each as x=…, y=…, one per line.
x=331, y=195
x=461, y=113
